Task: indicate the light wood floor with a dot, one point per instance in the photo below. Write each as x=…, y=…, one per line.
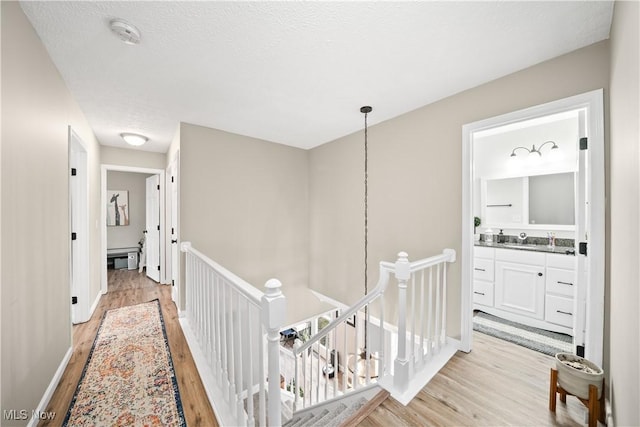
x=129, y=288
x=496, y=384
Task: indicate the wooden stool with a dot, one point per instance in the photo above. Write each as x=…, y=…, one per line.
x=595, y=406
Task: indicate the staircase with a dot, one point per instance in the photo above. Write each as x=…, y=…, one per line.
x=343, y=413
x=233, y=331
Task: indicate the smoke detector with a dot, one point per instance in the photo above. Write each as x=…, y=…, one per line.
x=125, y=31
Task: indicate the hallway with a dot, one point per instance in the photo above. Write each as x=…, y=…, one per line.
x=128, y=287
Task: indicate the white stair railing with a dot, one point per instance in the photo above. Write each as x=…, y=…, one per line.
x=422, y=314
x=228, y=324
x=362, y=335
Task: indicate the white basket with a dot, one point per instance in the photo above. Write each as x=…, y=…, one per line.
x=576, y=379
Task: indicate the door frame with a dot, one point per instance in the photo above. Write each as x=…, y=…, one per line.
x=104, y=168
x=594, y=104
x=79, y=214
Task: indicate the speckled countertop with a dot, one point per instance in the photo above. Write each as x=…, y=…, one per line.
x=567, y=250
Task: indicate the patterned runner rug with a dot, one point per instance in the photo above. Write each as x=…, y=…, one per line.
x=541, y=340
x=129, y=377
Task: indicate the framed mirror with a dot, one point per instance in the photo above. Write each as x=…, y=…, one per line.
x=537, y=201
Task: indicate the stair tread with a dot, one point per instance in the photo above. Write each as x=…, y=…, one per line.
x=332, y=414
x=299, y=421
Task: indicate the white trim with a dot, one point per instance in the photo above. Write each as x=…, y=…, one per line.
x=593, y=102
x=42, y=406
x=104, y=168
x=223, y=413
x=95, y=304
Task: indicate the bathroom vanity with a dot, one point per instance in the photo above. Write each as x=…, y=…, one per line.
x=533, y=285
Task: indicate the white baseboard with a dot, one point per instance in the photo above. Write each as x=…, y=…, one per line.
x=421, y=378
x=42, y=406
x=95, y=304
x=221, y=409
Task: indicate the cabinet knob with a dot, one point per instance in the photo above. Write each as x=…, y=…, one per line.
x=540, y=274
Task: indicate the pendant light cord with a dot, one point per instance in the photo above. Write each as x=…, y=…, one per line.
x=366, y=110
x=366, y=204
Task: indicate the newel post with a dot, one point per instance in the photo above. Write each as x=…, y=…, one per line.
x=401, y=364
x=273, y=318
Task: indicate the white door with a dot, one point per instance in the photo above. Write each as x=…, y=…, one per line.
x=79, y=225
x=175, y=252
x=152, y=240
x=589, y=298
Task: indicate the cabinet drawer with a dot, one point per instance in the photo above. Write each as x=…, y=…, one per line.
x=482, y=252
x=483, y=293
x=559, y=310
x=561, y=261
x=521, y=257
x=561, y=281
x=483, y=269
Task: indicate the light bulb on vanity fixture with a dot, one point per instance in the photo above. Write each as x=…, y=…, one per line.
x=134, y=139
x=536, y=152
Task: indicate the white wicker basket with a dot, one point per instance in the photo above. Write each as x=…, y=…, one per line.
x=576, y=373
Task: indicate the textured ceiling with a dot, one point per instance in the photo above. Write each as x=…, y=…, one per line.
x=295, y=73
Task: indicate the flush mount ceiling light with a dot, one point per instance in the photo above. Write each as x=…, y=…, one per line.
x=125, y=31
x=534, y=150
x=134, y=139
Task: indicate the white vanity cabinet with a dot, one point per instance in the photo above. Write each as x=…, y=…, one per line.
x=528, y=287
x=520, y=284
x=560, y=290
x=483, y=276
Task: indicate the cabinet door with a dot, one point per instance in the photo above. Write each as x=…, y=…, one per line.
x=519, y=288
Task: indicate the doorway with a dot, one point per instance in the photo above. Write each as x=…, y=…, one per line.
x=79, y=226
x=159, y=273
x=585, y=171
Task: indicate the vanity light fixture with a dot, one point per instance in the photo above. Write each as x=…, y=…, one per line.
x=134, y=139
x=535, y=150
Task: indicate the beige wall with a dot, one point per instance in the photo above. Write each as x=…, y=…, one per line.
x=244, y=203
x=135, y=184
x=133, y=158
x=624, y=324
x=36, y=111
x=415, y=176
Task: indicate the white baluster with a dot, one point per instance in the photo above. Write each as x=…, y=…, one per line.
x=382, y=360
x=412, y=359
x=438, y=308
x=250, y=376
x=345, y=362
x=443, y=335
x=274, y=309
x=401, y=365
x=430, y=314
x=422, y=309
x=228, y=369
x=261, y=376
x=295, y=385
x=239, y=358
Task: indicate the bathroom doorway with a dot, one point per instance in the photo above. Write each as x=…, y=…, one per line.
x=547, y=271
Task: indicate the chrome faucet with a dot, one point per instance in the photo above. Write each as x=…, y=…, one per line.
x=551, y=238
x=522, y=238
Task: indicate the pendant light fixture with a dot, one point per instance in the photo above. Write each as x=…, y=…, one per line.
x=366, y=361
